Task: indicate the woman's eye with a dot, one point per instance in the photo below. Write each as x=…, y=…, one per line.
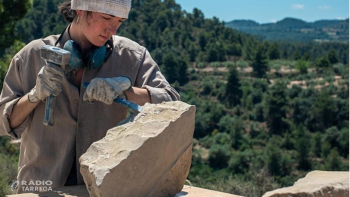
x=106, y=18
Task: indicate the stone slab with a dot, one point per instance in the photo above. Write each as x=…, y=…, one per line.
x=316, y=184
x=81, y=191
x=200, y=192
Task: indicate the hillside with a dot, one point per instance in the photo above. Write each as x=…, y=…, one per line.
x=296, y=30
x=267, y=112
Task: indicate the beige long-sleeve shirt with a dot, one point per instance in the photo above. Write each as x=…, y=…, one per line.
x=47, y=152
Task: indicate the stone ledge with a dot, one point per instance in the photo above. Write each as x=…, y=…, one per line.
x=316, y=184
x=81, y=191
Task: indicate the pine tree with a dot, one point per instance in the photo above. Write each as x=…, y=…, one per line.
x=273, y=52
x=323, y=112
x=170, y=68
x=233, y=88
x=260, y=64
x=276, y=103
x=333, y=57
x=333, y=161
x=317, y=144
x=219, y=156
x=302, y=145
x=323, y=62
x=296, y=55
x=236, y=133
x=274, y=162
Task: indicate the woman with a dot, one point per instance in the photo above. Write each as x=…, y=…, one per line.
x=82, y=115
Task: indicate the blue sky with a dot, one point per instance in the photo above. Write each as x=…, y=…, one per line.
x=267, y=11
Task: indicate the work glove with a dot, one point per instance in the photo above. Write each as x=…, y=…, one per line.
x=48, y=82
x=106, y=89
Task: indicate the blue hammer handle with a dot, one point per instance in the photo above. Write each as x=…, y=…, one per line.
x=48, y=119
x=122, y=101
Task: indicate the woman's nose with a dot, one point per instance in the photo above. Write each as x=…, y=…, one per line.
x=112, y=26
x=111, y=29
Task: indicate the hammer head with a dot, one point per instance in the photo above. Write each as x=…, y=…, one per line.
x=55, y=55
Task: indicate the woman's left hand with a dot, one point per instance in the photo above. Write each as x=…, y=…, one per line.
x=106, y=89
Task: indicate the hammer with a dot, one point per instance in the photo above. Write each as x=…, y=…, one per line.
x=58, y=57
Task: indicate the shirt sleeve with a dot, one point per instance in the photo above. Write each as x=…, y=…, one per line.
x=11, y=92
x=152, y=79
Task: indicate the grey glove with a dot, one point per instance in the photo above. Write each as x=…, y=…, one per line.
x=106, y=89
x=48, y=82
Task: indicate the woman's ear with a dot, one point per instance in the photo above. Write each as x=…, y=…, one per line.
x=79, y=13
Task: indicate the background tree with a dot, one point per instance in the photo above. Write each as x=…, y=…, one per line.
x=302, y=144
x=317, y=144
x=219, y=156
x=273, y=156
x=236, y=133
x=239, y=162
x=233, y=88
x=260, y=65
x=296, y=55
x=273, y=51
x=333, y=162
x=302, y=66
x=323, y=62
x=306, y=56
x=332, y=57
x=170, y=67
x=174, y=68
x=10, y=13
x=248, y=49
x=301, y=107
x=276, y=103
x=42, y=21
x=6, y=59
x=322, y=112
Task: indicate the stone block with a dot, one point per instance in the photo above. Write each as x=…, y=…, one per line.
x=316, y=184
x=149, y=156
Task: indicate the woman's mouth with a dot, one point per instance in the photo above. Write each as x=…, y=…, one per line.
x=104, y=37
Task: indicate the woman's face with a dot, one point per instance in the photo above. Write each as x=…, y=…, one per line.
x=98, y=27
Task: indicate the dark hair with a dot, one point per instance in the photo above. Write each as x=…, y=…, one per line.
x=66, y=11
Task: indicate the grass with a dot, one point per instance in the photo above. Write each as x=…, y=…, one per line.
x=258, y=184
x=8, y=173
x=9, y=154
x=277, y=64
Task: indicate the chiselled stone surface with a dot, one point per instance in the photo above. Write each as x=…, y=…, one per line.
x=149, y=156
x=200, y=192
x=80, y=191
x=316, y=184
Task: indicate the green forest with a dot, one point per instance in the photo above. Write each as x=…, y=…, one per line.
x=267, y=112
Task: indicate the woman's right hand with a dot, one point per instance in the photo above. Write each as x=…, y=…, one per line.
x=48, y=82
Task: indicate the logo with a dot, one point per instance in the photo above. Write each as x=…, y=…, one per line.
x=32, y=186
x=14, y=185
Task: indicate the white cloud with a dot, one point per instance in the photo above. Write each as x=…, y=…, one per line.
x=298, y=6
x=341, y=18
x=325, y=7
x=273, y=20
